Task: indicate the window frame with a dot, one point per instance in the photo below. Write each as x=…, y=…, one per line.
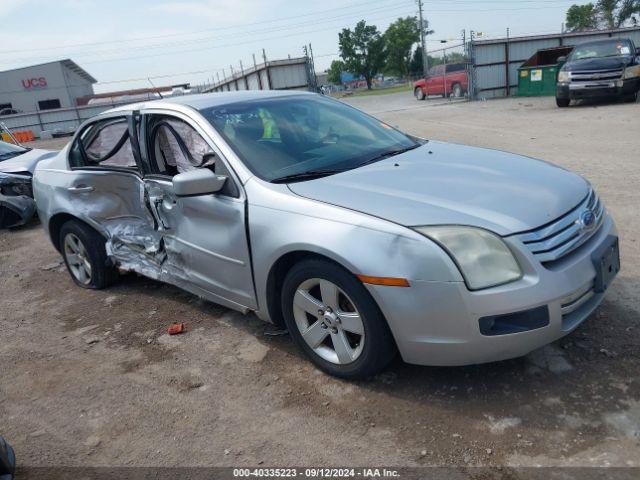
x=237, y=190
x=40, y=102
x=130, y=118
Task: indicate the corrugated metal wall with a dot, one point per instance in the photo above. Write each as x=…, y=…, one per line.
x=60, y=121
x=490, y=57
x=286, y=74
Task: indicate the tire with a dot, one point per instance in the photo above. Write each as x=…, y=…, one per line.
x=632, y=98
x=456, y=91
x=7, y=460
x=562, y=102
x=365, y=354
x=419, y=94
x=79, y=240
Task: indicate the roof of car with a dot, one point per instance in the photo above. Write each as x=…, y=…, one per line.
x=208, y=100
x=602, y=40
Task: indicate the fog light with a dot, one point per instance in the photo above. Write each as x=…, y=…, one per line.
x=514, y=322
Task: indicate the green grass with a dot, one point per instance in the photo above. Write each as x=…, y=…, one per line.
x=407, y=87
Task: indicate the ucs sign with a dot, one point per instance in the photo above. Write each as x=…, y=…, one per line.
x=30, y=83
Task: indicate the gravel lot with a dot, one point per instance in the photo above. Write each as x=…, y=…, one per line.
x=89, y=378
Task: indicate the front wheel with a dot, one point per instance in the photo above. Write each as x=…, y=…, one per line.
x=562, y=102
x=84, y=254
x=334, y=321
x=419, y=93
x=632, y=98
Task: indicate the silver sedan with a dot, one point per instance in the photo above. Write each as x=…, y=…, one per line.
x=362, y=240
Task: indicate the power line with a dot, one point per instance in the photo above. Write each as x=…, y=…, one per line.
x=221, y=37
x=152, y=37
x=214, y=47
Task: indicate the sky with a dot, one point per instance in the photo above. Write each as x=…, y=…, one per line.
x=122, y=43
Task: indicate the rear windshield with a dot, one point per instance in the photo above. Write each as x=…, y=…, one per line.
x=603, y=49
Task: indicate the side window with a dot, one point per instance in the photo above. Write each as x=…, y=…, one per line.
x=176, y=147
x=456, y=67
x=105, y=144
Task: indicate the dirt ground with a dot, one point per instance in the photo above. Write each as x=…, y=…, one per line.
x=89, y=378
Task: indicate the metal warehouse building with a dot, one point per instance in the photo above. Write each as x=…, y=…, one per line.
x=44, y=87
x=496, y=62
x=289, y=74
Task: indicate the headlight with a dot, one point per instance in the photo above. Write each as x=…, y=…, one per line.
x=564, y=77
x=632, y=72
x=482, y=257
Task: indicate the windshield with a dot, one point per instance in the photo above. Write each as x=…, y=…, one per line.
x=281, y=138
x=598, y=50
x=9, y=150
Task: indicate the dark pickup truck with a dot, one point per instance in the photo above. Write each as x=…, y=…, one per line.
x=602, y=68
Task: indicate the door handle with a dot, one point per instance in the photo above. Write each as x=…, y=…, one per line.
x=80, y=189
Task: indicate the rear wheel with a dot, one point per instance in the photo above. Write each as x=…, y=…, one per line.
x=456, y=91
x=419, y=93
x=562, y=102
x=84, y=254
x=334, y=321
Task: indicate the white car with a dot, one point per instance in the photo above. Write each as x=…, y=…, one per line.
x=17, y=165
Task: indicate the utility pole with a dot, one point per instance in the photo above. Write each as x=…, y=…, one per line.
x=507, y=63
x=425, y=59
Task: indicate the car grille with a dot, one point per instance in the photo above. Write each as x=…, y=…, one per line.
x=560, y=237
x=599, y=75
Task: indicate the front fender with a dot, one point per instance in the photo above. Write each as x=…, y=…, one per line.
x=362, y=244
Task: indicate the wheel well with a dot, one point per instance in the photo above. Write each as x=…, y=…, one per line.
x=55, y=225
x=276, y=277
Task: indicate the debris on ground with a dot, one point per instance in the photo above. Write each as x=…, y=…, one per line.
x=176, y=328
x=52, y=266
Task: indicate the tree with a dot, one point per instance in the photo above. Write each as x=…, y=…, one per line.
x=399, y=38
x=616, y=13
x=362, y=50
x=582, y=17
x=604, y=14
x=335, y=70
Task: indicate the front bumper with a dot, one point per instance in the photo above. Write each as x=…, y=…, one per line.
x=17, y=205
x=437, y=323
x=597, y=89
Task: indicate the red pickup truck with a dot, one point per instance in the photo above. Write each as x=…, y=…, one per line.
x=445, y=80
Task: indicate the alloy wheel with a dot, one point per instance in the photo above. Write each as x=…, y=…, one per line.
x=328, y=321
x=77, y=259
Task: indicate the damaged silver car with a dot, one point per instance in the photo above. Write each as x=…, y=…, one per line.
x=17, y=164
x=363, y=241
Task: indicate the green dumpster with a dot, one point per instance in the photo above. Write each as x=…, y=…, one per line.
x=537, y=76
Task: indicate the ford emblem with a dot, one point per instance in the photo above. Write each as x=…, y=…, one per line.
x=587, y=220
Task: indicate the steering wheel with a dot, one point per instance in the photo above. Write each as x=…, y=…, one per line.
x=330, y=137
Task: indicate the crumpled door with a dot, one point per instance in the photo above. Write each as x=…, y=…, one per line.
x=204, y=237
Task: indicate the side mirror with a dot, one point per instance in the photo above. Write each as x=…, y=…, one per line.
x=562, y=59
x=197, y=182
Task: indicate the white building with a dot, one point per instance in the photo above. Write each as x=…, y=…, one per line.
x=44, y=87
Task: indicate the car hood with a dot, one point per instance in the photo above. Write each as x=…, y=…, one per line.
x=604, y=63
x=26, y=162
x=441, y=183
